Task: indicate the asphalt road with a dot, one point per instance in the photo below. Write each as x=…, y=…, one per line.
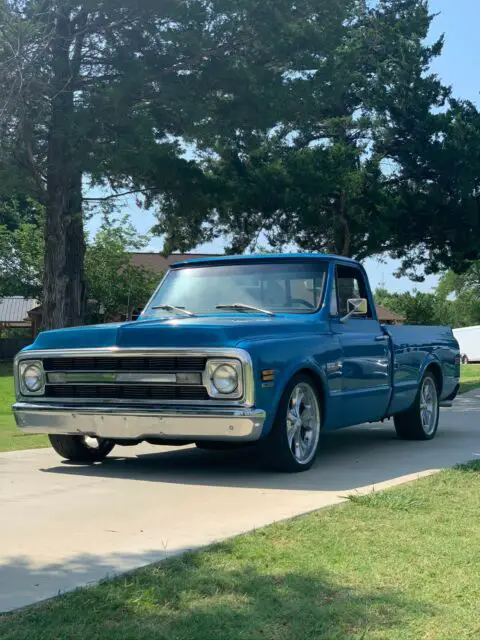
x=64, y=526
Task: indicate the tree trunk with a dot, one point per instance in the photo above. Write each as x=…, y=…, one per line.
x=63, y=283
x=343, y=236
x=63, y=287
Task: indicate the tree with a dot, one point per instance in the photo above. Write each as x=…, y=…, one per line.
x=317, y=123
x=21, y=260
x=415, y=307
x=19, y=209
x=462, y=293
x=114, y=285
x=56, y=59
x=306, y=178
x=439, y=213
x=370, y=154
x=105, y=91
x=455, y=301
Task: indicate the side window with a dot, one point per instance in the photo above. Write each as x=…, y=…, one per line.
x=350, y=284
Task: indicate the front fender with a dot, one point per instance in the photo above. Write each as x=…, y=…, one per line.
x=300, y=364
x=287, y=358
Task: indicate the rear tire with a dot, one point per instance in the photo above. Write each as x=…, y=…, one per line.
x=77, y=448
x=420, y=422
x=292, y=444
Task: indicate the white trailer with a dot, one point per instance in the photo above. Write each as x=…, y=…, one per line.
x=469, y=340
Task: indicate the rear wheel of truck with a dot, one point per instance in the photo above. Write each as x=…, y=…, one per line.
x=81, y=448
x=292, y=444
x=420, y=422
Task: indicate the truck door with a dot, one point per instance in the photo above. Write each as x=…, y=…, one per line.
x=365, y=357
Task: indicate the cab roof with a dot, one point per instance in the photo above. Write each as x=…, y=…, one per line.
x=267, y=257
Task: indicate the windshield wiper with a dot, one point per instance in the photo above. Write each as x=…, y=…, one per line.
x=244, y=307
x=171, y=307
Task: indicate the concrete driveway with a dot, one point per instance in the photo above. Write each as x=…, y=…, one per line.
x=63, y=526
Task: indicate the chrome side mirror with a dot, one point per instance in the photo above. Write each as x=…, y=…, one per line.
x=356, y=307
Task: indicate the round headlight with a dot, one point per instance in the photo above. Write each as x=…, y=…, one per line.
x=33, y=378
x=225, y=379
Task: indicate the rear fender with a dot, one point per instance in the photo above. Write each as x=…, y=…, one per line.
x=433, y=363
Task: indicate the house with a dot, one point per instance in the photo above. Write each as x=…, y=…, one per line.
x=14, y=312
x=386, y=316
x=159, y=263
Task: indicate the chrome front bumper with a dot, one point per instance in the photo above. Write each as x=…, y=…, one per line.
x=117, y=423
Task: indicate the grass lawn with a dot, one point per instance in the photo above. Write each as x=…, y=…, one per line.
x=399, y=565
x=11, y=439
x=469, y=377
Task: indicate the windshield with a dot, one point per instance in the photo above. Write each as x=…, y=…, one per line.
x=283, y=287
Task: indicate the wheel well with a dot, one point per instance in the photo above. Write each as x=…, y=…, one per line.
x=437, y=373
x=318, y=386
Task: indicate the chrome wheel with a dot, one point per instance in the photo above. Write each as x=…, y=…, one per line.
x=97, y=446
x=428, y=406
x=91, y=442
x=303, y=423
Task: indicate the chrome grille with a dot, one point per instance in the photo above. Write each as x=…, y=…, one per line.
x=127, y=392
x=124, y=377
x=126, y=363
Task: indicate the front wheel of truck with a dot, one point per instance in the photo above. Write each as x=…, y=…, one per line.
x=292, y=444
x=420, y=422
x=81, y=448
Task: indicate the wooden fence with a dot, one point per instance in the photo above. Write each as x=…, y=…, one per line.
x=9, y=347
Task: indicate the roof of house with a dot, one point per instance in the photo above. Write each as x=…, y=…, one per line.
x=15, y=309
x=159, y=263
x=385, y=315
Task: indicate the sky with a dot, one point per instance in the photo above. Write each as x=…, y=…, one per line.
x=459, y=21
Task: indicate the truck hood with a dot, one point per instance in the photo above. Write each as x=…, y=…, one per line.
x=197, y=332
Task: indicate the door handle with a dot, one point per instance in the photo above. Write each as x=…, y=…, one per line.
x=381, y=338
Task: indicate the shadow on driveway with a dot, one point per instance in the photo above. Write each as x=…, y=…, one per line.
x=348, y=459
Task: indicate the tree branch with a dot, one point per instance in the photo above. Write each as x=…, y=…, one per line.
x=78, y=46
x=99, y=26
x=118, y=195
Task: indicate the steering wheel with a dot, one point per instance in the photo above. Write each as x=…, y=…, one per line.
x=309, y=305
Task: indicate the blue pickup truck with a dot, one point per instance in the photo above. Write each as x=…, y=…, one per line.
x=269, y=351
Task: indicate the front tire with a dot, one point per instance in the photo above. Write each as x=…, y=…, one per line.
x=292, y=444
x=81, y=448
x=420, y=422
